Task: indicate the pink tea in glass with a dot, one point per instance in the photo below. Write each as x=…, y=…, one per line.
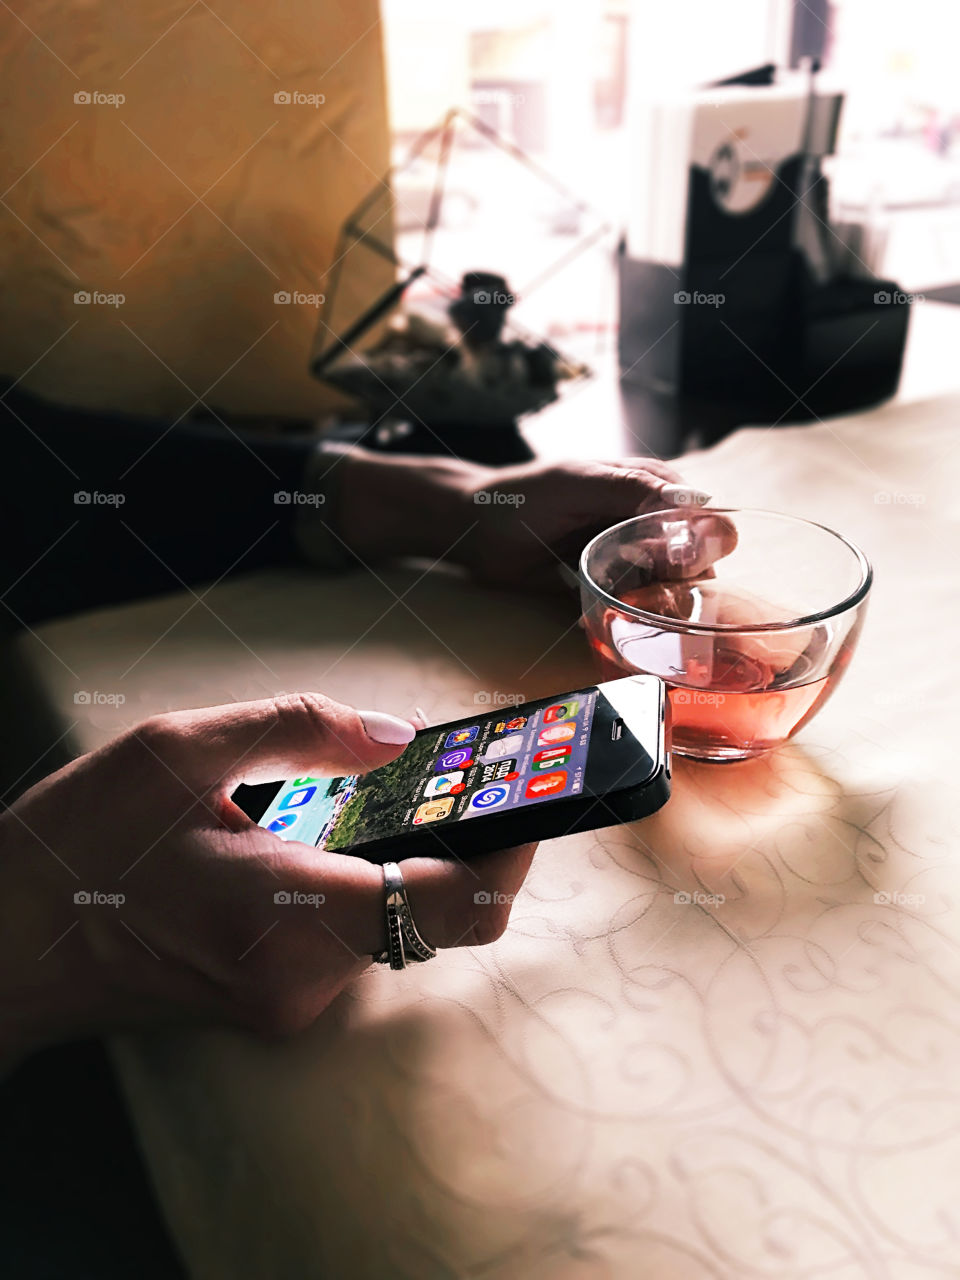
x=750, y=618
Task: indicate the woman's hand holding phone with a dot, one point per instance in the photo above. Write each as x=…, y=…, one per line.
x=138, y=893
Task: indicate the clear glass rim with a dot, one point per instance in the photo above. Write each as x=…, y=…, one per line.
x=856, y=597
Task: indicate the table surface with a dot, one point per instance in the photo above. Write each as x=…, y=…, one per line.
x=628, y=1083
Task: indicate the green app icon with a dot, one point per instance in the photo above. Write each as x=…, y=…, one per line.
x=556, y=758
x=561, y=711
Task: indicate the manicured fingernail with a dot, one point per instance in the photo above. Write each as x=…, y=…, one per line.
x=386, y=728
x=682, y=495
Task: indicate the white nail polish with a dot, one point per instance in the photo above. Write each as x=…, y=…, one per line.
x=385, y=728
x=682, y=495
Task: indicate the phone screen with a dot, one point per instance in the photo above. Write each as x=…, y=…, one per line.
x=495, y=762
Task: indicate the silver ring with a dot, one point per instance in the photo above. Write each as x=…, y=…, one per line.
x=405, y=944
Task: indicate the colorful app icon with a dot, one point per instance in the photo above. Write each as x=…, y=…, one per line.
x=433, y=810
x=297, y=799
x=489, y=798
x=551, y=755
x=555, y=733
x=460, y=737
x=444, y=784
x=504, y=747
x=462, y=758
x=498, y=771
x=547, y=784
x=283, y=823
x=510, y=726
x=302, y=782
x=561, y=711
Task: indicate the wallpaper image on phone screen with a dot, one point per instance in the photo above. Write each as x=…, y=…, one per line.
x=527, y=755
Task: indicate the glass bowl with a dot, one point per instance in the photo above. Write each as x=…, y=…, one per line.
x=750, y=617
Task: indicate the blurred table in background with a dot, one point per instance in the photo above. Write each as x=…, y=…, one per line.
x=608, y=417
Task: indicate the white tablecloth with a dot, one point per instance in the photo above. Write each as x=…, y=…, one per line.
x=626, y=1084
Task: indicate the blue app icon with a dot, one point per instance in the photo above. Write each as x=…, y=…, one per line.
x=297, y=799
x=460, y=737
x=490, y=798
x=283, y=823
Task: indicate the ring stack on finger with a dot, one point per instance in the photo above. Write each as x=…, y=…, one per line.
x=405, y=944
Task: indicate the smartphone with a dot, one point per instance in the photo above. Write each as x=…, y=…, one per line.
x=573, y=762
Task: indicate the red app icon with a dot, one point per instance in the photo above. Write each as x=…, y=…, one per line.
x=553, y=753
x=557, y=733
x=547, y=784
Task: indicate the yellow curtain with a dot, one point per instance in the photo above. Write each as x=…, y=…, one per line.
x=167, y=169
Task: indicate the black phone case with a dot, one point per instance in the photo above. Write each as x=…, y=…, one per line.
x=529, y=824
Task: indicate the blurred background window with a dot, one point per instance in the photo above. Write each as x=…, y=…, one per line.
x=555, y=77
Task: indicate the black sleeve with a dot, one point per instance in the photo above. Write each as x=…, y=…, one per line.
x=101, y=507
